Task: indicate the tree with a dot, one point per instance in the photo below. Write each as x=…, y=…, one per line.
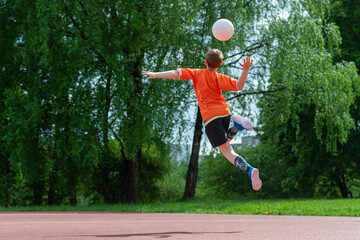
x=78, y=84
x=127, y=104
x=22, y=111
x=304, y=124
x=346, y=16
x=8, y=75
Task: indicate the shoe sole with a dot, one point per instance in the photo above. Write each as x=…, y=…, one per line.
x=255, y=180
x=246, y=123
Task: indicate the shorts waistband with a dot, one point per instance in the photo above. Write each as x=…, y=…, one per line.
x=213, y=118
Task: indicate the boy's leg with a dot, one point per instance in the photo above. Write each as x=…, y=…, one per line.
x=240, y=124
x=216, y=133
x=239, y=162
x=231, y=132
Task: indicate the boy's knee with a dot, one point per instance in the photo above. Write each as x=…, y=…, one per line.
x=226, y=148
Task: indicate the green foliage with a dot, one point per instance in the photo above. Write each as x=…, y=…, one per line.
x=75, y=74
x=171, y=186
x=156, y=167
x=218, y=177
x=307, y=123
x=299, y=62
x=346, y=15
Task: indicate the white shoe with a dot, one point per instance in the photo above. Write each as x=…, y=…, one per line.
x=242, y=123
x=255, y=179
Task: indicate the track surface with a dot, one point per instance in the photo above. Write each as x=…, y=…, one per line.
x=90, y=225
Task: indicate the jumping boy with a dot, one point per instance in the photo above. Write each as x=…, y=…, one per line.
x=214, y=109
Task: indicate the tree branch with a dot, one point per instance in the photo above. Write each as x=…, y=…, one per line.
x=121, y=144
x=253, y=47
x=81, y=32
x=255, y=93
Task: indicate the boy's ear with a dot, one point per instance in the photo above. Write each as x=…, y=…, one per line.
x=206, y=63
x=222, y=62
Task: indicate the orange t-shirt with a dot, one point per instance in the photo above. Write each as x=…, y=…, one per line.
x=208, y=86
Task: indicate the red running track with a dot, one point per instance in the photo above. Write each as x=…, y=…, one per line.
x=99, y=225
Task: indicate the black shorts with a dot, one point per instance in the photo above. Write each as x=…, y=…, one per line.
x=216, y=131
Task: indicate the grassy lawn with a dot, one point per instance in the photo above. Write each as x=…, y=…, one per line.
x=310, y=207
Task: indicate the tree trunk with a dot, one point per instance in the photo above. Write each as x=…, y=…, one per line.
x=341, y=183
x=122, y=182
x=72, y=168
x=135, y=121
x=37, y=182
x=73, y=179
x=7, y=181
x=53, y=182
x=133, y=195
x=106, y=182
x=192, y=173
x=106, y=153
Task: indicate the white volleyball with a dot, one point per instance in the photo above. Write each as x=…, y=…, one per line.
x=223, y=29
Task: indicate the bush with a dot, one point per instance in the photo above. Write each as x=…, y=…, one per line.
x=171, y=186
x=219, y=178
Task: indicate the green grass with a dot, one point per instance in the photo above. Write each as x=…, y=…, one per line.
x=309, y=207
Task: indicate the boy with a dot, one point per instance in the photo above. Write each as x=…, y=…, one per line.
x=214, y=109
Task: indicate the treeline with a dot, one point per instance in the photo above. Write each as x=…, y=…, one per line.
x=78, y=121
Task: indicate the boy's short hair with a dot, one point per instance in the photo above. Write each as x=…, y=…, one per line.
x=214, y=57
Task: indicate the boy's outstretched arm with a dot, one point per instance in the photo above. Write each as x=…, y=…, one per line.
x=173, y=74
x=246, y=67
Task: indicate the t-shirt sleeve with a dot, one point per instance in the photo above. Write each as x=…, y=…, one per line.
x=186, y=73
x=227, y=83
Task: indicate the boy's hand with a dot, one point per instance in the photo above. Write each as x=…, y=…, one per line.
x=149, y=74
x=247, y=63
